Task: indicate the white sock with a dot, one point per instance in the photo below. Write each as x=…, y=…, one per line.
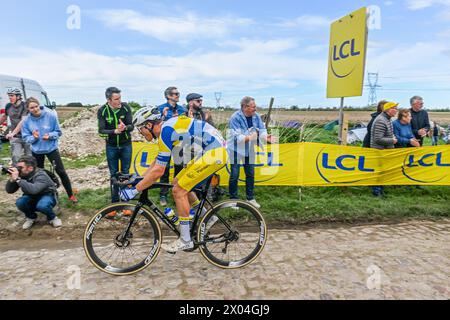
x=195, y=207
x=184, y=229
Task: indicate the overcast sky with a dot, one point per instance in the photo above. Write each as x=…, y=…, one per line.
x=257, y=48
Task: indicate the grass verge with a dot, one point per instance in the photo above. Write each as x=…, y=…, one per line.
x=288, y=205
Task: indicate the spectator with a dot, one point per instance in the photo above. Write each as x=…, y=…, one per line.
x=115, y=124
x=382, y=135
x=169, y=110
x=403, y=131
x=448, y=134
x=41, y=130
x=195, y=108
x=38, y=191
x=366, y=142
x=16, y=111
x=436, y=134
x=247, y=130
x=420, y=122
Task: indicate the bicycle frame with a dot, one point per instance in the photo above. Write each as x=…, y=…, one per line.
x=145, y=201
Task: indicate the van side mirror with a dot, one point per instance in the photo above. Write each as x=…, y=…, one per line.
x=54, y=105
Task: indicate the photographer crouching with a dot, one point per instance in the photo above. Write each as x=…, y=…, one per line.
x=38, y=189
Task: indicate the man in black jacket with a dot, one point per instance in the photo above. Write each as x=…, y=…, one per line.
x=38, y=189
x=195, y=108
x=420, y=122
x=115, y=124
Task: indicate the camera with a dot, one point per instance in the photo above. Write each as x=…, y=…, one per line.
x=4, y=170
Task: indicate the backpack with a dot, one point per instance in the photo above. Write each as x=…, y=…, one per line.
x=53, y=177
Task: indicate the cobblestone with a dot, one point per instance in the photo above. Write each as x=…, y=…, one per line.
x=410, y=260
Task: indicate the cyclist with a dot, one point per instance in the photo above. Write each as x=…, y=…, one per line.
x=179, y=131
x=16, y=111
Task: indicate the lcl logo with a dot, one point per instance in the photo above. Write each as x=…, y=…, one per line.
x=413, y=167
x=343, y=52
x=344, y=163
x=346, y=49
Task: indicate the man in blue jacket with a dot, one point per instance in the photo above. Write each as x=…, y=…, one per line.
x=169, y=110
x=246, y=131
x=41, y=130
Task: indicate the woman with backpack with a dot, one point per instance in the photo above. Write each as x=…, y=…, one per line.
x=41, y=130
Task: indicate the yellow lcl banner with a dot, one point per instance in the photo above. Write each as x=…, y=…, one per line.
x=314, y=164
x=347, y=55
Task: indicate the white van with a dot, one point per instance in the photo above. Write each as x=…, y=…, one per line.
x=29, y=88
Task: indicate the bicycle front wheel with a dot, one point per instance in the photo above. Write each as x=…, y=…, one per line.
x=232, y=235
x=111, y=250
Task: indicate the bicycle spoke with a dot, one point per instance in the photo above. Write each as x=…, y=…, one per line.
x=240, y=231
x=107, y=245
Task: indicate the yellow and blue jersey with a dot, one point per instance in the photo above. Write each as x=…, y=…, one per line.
x=183, y=131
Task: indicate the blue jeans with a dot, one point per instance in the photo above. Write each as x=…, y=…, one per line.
x=435, y=140
x=378, y=190
x=113, y=155
x=30, y=204
x=249, y=179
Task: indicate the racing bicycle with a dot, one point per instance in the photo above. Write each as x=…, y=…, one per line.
x=230, y=234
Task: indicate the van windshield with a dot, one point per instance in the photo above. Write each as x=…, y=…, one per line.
x=44, y=100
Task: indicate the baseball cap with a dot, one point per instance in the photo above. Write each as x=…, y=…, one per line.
x=193, y=96
x=389, y=105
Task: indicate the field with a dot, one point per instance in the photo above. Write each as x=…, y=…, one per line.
x=66, y=113
x=322, y=117
x=279, y=117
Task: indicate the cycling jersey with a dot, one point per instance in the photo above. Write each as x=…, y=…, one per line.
x=181, y=131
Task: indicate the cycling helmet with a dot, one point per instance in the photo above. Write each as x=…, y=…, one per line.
x=147, y=114
x=15, y=91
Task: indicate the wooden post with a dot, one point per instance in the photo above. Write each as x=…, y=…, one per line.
x=344, y=129
x=341, y=121
x=272, y=100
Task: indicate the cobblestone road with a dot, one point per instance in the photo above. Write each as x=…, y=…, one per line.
x=402, y=261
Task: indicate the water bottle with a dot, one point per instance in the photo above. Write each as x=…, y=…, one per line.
x=172, y=216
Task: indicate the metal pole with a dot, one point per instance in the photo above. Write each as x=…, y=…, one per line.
x=272, y=100
x=341, y=120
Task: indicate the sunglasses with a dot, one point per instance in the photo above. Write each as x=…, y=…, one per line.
x=175, y=94
x=148, y=129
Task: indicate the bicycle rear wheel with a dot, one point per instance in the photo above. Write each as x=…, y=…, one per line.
x=108, y=249
x=236, y=239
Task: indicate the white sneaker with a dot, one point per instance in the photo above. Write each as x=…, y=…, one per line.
x=56, y=223
x=178, y=245
x=28, y=223
x=254, y=203
x=212, y=221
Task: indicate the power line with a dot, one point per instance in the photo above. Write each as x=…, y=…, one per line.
x=373, y=85
x=417, y=76
x=218, y=96
x=407, y=89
